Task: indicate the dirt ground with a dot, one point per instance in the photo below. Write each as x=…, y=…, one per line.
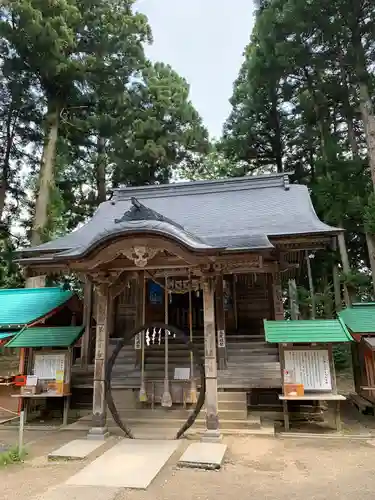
x=257, y=467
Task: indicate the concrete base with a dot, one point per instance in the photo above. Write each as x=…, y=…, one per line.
x=204, y=456
x=131, y=463
x=64, y=492
x=98, y=433
x=211, y=436
x=75, y=450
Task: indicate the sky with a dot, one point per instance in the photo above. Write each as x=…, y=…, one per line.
x=203, y=40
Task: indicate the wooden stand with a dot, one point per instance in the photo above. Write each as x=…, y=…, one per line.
x=61, y=380
x=25, y=398
x=313, y=393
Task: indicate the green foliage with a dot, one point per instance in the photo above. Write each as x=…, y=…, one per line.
x=298, y=104
x=12, y=456
x=120, y=118
x=342, y=356
x=354, y=279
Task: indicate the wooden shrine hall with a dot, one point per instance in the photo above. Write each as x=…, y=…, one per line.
x=205, y=257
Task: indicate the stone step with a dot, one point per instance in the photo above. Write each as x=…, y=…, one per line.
x=245, y=345
x=232, y=396
x=181, y=414
x=250, y=384
x=259, y=358
x=200, y=423
x=249, y=351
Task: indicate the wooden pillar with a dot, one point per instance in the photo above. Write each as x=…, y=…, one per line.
x=311, y=285
x=370, y=239
x=140, y=317
x=220, y=322
x=99, y=417
x=293, y=299
x=345, y=264
x=277, y=297
x=87, y=314
x=234, y=301
x=212, y=415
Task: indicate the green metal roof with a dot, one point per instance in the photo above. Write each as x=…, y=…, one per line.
x=22, y=306
x=301, y=331
x=360, y=317
x=6, y=335
x=56, y=336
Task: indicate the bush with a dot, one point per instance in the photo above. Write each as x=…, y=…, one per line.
x=12, y=456
x=342, y=356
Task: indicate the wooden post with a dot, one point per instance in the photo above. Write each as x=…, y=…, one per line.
x=140, y=317
x=371, y=253
x=87, y=313
x=293, y=299
x=99, y=417
x=212, y=416
x=220, y=322
x=337, y=288
x=277, y=298
x=345, y=264
x=311, y=285
x=234, y=301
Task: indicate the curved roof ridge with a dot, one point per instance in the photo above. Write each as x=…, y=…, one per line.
x=203, y=187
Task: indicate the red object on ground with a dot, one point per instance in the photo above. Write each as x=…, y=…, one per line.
x=20, y=380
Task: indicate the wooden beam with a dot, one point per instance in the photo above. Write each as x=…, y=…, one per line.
x=220, y=322
x=293, y=299
x=140, y=316
x=277, y=297
x=99, y=417
x=212, y=414
x=87, y=314
x=345, y=264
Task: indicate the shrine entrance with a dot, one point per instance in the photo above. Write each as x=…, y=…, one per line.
x=158, y=330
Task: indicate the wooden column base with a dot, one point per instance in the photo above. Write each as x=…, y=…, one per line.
x=99, y=429
x=98, y=433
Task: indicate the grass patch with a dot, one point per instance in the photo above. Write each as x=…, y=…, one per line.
x=12, y=456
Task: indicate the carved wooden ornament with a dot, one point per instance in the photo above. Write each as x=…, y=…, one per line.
x=140, y=255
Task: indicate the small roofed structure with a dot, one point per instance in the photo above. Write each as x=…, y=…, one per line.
x=306, y=358
x=32, y=319
x=24, y=307
x=360, y=321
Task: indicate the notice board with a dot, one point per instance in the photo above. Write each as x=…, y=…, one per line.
x=47, y=366
x=310, y=368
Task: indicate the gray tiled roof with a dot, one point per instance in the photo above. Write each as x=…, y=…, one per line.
x=233, y=213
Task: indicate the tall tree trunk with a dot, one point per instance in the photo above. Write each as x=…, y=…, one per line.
x=46, y=174
x=277, y=145
x=12, y=118
x=367, y=112
x=101, y=171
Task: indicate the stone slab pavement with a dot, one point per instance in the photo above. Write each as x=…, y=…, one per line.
x=77, y=449
x=129, y=464
x=78, y=493
x=203, y=455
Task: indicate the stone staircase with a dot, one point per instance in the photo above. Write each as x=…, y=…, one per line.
x=233, y=415
x=252, y=364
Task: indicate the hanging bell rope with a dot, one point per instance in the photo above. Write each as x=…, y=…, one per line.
x=193, y=386
x=142, y=392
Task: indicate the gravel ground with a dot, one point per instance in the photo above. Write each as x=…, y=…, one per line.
x=257, y=467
